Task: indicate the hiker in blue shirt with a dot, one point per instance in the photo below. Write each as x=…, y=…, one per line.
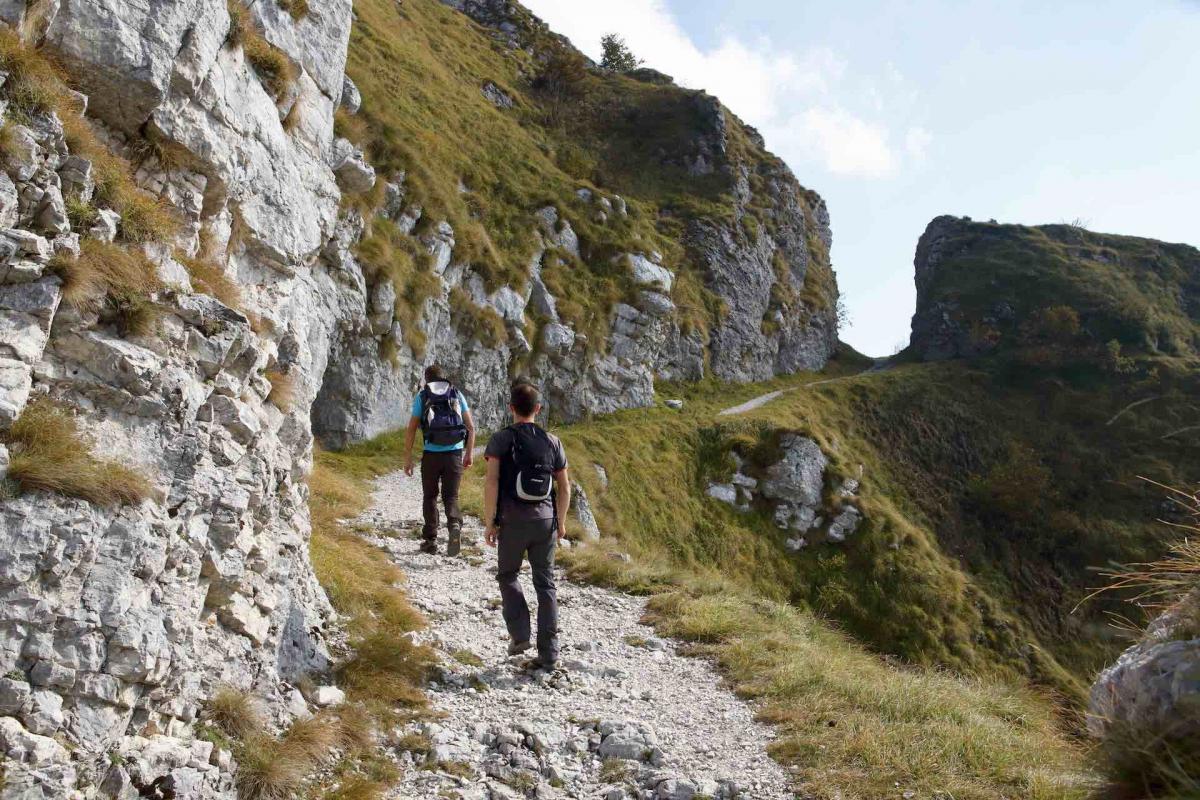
x=448, y=437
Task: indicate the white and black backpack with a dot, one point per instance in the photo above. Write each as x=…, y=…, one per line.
x=528, y=469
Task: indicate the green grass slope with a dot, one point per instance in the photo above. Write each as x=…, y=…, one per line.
x=995, y=488
x=421, y=68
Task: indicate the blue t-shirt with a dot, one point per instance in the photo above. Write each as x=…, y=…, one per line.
x=418, y=409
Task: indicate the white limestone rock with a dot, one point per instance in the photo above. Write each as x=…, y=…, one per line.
x=351, y=98
x=799, y=478
x=724, y=492
x=647, y=273
x=354, y=174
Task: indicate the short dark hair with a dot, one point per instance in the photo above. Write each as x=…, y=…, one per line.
x=525, y=398
x=434, y=373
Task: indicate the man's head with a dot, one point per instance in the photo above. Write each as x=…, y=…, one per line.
x=525, y=400
x=434, y=373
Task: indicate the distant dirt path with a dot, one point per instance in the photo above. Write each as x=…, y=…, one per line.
x=758, y=402
x=626, y=716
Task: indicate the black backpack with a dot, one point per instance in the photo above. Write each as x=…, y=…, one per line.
x=441, y=417
x=528, y=469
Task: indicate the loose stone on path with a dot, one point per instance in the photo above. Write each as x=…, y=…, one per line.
x=625, y=716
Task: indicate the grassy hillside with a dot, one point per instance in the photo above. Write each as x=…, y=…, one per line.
x=421, y=68
x=1061, y=293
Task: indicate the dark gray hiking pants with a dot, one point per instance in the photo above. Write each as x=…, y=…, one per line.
x=440, y=470
x=536, y=539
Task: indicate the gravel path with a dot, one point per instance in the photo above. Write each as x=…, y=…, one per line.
x=880, y=365
x=625, y=716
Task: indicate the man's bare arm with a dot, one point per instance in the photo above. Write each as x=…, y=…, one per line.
x=469, y=455
x=410, y=437
x=562, y=499
x=491, y=492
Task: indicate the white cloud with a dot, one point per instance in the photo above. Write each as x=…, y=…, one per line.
x=847, y=145
x=798, y=100
x=917, y=141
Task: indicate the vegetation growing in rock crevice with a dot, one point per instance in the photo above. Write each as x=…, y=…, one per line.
x=274, y=68
x=388, y=254
x=269, y=766
x=106, y=277
x=33, y=86
x=49, y=452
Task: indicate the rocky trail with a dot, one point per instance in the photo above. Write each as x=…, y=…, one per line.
x=624, y=716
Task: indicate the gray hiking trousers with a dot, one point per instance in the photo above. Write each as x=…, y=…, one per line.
x=536, y=539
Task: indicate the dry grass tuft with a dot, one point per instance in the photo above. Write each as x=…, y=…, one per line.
x=32, y=85
x=103, y=272
x=209, y=277
x=312, y=740
x=267, y=770
x=1160, y=584
x=273, y=768
x=49, y=453
x=274, y=68
x=283, y=389
x=235, y=712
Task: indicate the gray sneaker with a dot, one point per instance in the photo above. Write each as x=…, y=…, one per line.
x=454, y=542
x=515, y=648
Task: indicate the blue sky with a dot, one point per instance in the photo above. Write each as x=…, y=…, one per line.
x=896, y=112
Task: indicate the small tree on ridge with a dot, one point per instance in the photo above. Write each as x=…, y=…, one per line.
x=617, y=55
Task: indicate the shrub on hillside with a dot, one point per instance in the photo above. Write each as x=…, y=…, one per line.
x=1016, y=490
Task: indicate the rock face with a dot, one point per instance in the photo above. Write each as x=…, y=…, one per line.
x=758, y=262
x=767, y=329
x=118, y=621
x=1153, y=689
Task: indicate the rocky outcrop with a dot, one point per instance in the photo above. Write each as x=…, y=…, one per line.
x=794, y=490
x=1153, y=689
x=363, y=393
x=1054, y=292
x=940, y=328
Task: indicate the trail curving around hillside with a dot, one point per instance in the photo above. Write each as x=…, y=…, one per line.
x=758, y=402
x=627, y=716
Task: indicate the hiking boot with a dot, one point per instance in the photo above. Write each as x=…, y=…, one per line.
x=515, y=648
x=454, y=542
x=429, y=546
